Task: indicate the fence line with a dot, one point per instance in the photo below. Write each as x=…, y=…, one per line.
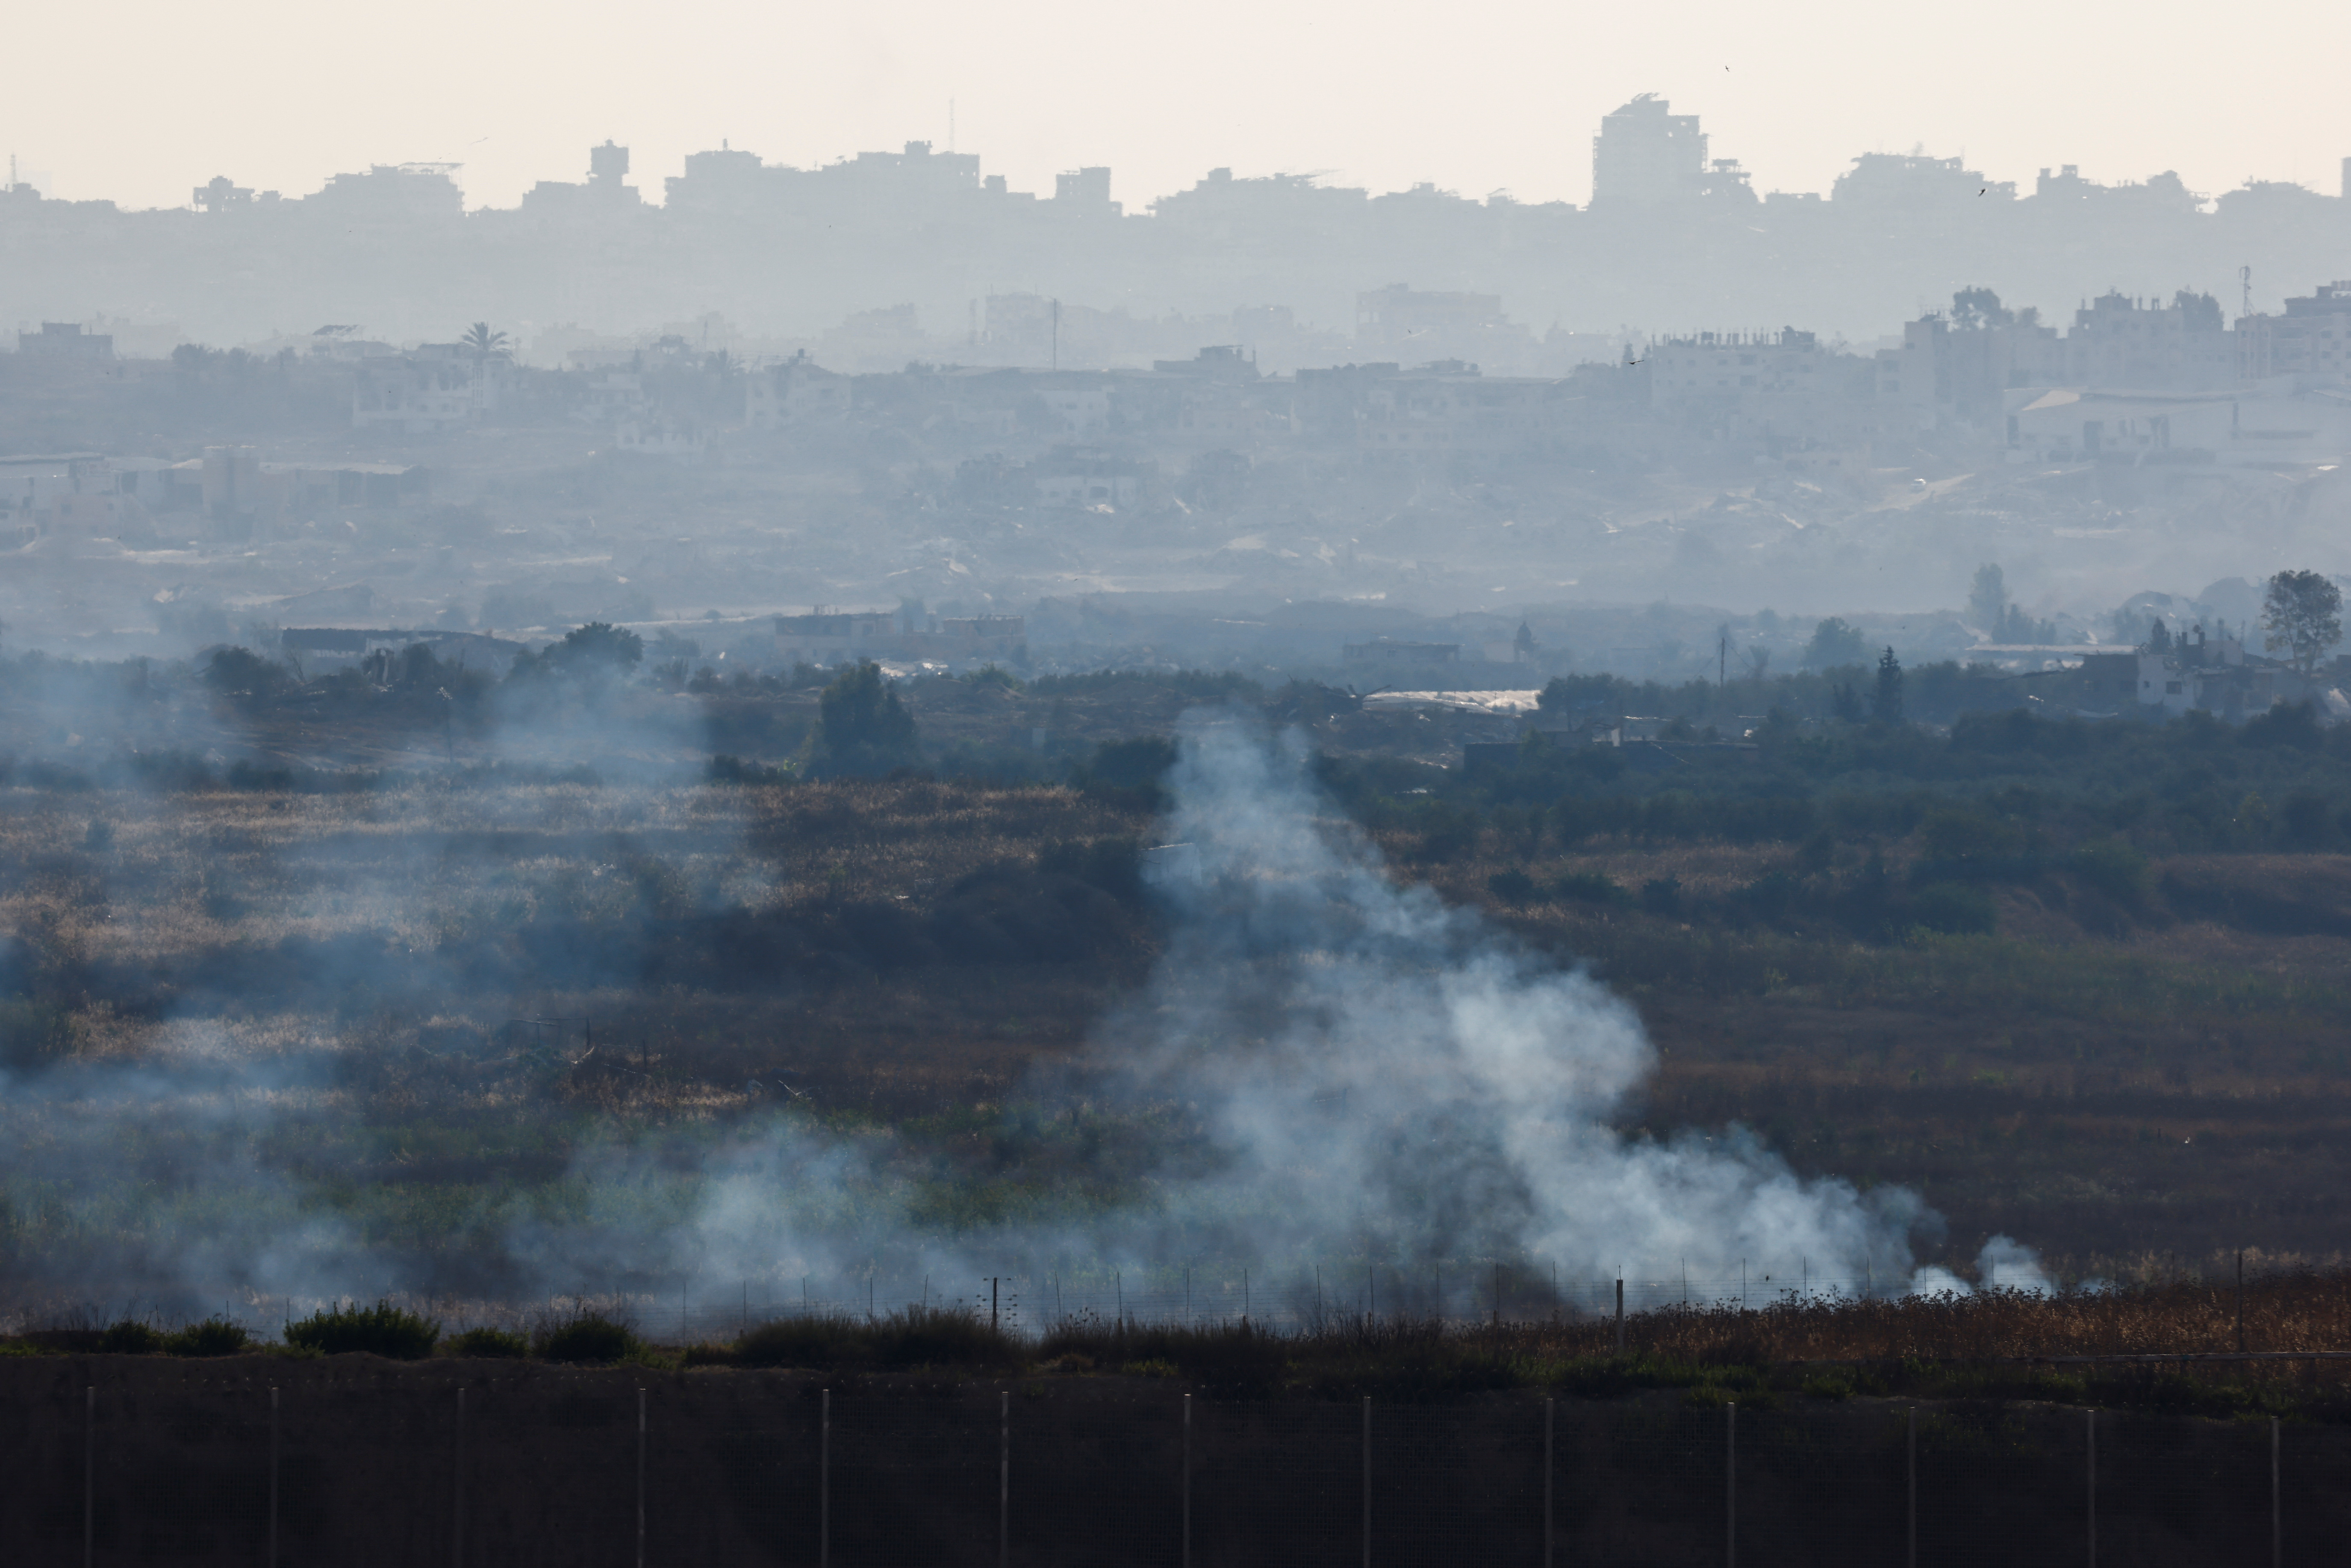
x=1631, y=1473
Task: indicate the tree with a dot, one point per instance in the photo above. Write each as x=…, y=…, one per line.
x=1835, y=642
x=1988, y=601
x=2158, y=636
x=1979, y=307
x=2303, y=615
x=600, y=647
x=1885, y=701
x=485, y=344
x=598, y=651
x=861, y=725
x=241, y=672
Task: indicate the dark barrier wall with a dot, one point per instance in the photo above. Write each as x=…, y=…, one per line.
x=355, y=1463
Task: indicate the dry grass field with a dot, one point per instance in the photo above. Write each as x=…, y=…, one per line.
x=2139, y=1102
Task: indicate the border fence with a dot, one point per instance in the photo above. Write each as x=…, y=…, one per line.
x=277, y=1464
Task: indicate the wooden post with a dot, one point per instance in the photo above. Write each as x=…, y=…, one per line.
x=1003, y=1475
x=641, y=1476
x=1620, y=1315
x=824, y=1485
x=1188, y=1482
x=1367, y=1481
x=2090, y=1424
x=1731, y=1487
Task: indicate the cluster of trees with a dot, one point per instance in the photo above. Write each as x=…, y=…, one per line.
x=2028, y=785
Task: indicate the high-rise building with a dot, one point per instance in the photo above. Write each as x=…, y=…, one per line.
x=1645, y=155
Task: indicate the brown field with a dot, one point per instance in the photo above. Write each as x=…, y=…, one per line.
x=2139, y=1102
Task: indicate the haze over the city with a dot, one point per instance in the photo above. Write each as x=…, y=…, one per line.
x=139, y=101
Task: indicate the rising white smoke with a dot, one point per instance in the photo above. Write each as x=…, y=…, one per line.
x=1336, y=1069
x=1377, y=1077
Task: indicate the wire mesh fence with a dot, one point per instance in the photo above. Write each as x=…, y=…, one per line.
x=609, y=1471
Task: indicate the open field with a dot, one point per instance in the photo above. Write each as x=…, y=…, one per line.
x=928, y=960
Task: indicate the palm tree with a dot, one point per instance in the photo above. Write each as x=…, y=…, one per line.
x=485, y=343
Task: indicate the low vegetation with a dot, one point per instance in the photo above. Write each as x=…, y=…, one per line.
x=381, y=1329
x=1996, y=1343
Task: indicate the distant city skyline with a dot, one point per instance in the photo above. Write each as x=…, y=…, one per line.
x=1493, y=98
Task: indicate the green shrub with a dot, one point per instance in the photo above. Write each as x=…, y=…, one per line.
x=489, y=1344
x=381, y=1329
x=1954, y=909
x=129, y=1338
x=2114, y=868
x=586, y=1337
x=213, y=1336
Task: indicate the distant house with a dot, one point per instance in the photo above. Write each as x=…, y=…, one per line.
x=65, y=340
x=438, y=386
x=833, y=637
x=798, y=391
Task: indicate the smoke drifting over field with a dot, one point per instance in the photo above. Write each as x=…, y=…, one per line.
x=1328, y=1068
x=1376, y=1078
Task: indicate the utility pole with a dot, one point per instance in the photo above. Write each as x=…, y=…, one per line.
x=1057, y=334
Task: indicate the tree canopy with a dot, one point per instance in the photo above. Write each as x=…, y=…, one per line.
x=861, y=726
x=2303, y=614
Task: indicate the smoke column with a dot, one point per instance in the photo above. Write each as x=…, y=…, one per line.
x=1375, y=1076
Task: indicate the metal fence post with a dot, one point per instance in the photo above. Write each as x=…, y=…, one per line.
x=1187, y=1481
x=2277, y=1513
x=1003, y=1475
x=88, y=1468
x=271, y=1561
x=1367, y=1481
x=1910, y=1476
x=2090, y=1424
x=1731, y=1486
x=1550, y=1513
x=824, y=1485
x=641, y=1476
x=457, y=1494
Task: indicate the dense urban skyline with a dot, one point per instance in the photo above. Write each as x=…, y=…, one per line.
x=1499, y=101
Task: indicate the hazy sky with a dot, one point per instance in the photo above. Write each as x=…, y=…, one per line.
x=139, y=100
